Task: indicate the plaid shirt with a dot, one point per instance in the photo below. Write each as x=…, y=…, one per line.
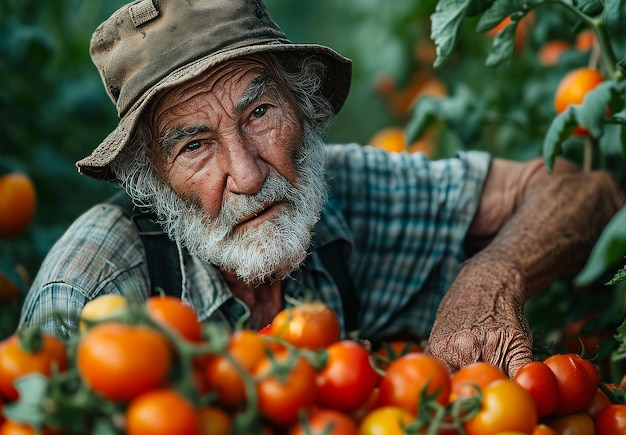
x=401, y=217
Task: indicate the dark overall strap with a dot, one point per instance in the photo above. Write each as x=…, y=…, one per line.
x=334, y=258
x=161, y=253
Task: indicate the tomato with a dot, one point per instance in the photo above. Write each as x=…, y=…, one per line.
x=597, y=404
x=540, y=382
x=542, y=429
x=214, y=421
x=387, y=420
x=120, y=361
x=18, y=359
x=478, y=374
x=311, y=325
x=280, y=398
x=578, y=423
x=611, y=420
x=348, y=379
x=11, y=427
x=326, y=422
x=393, y=350
x=506, y=406
x=172, y=312
x=577, y=381
x=247, y=349
x=551, y=51
x=18, y=200
x=407, y=376
x=572, y=90
x=161, y=412
x=100, y=308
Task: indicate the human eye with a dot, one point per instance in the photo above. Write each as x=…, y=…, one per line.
x=259, y=111
x=194, y=145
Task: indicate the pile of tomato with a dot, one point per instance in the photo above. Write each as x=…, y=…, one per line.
x=151, y=368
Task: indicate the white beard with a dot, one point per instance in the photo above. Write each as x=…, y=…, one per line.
x=271, y=250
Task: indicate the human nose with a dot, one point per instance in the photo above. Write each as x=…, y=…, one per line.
x=246, y=171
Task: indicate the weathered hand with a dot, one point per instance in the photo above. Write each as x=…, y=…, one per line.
x=481, y=318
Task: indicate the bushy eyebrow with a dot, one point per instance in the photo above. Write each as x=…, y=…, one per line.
x=260, y=86
x=175, y=135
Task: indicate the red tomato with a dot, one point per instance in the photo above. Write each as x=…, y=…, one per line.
x=327, y=422
x=407, y=376
x=348, y=378
x=247, y=349
x=506, y=406
x=611, y=420
x=120, y=361
x=577, y=379
x=597, y=404
x=17, y=361
x=161, y=412
x=281, y=398
x=478, y=374
x=539, y=380
x=172, y=313
x=578, y=423
x=387, y=420
x=311, y=325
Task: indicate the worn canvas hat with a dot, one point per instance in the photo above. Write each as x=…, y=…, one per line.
x=151, y=45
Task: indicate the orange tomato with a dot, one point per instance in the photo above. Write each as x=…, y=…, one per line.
x=578, y=423
x=387, y=420
x=551, y=51
x=171, y=312
x=120, y=361
x=407, y=376
x=506, y=407
x=161, y=412
x=311, y=325
x=16, y=361
x=472, y=376
x=542, y=429
x=325, y=421
x=247, y=349
x=18, y=200
x=585, y=40
x=572, y=90
x=574, y=86
x=393, y=139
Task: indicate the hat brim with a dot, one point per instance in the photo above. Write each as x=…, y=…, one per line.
x=335, y=87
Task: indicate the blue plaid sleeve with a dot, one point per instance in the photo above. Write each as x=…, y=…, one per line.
x=409, y=217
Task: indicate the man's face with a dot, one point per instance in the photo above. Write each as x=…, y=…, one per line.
x=248, y=185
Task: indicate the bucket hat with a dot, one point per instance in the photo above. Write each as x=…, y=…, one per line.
x=148, y=46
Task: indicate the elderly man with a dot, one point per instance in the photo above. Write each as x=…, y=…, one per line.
x=219, y=137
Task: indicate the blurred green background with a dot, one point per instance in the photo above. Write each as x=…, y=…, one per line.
x=54, y=109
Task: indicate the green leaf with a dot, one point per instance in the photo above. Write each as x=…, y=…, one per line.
x=559, y=131
x=424, y=114
x=500, y=9
x=620, y=276
x=503, y=47
x=477, y=7
x=445, y=24
x=614, y=13
x=591, y=114
x=27, y=409
x=608, y=250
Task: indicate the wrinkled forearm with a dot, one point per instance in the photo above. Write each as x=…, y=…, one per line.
x=552, y=230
